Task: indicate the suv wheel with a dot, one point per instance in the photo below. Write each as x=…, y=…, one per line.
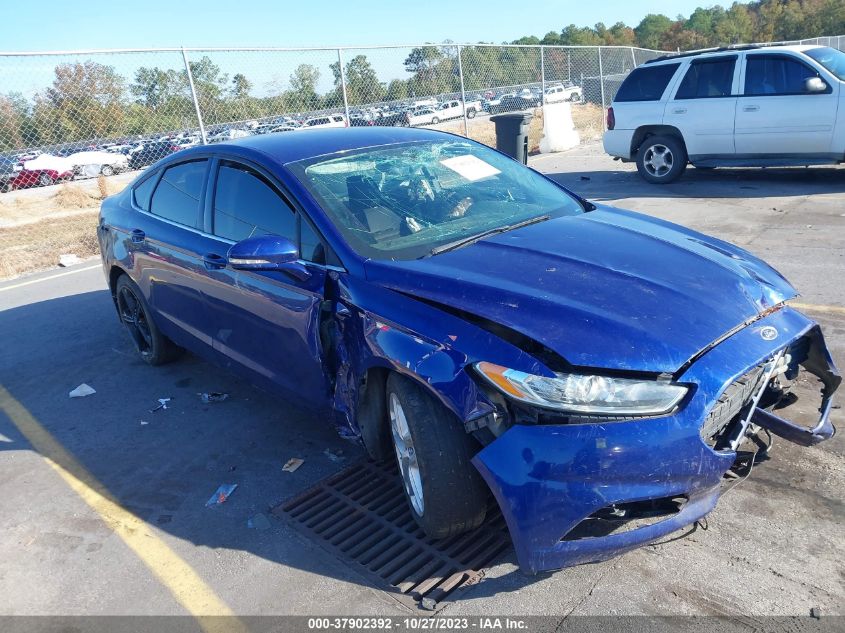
x=444, y=490
x=661, y=159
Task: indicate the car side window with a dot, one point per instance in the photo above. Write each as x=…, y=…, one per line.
x=142, y=193
x=177, y=196
x=707, y=79
x=646, y=83
x=246, y=205
x=770, y=75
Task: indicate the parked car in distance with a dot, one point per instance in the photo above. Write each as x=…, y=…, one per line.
x=329, y=120
x=26, y=178
x=150, y=153
x=511, y=103
x=455, y=108
x=8, y=169
x=566, y=91
x=608, y=374
x=749, y=106
x=227, y=134
x=422, y=116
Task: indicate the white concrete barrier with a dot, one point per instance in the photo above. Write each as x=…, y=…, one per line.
x=559, y=131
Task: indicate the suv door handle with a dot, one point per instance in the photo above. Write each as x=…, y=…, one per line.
x=679, y=111
x=138, y=236
x=213, y=261
x=751, y=108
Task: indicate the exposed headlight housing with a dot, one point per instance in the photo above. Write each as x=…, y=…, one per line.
x=585, y=394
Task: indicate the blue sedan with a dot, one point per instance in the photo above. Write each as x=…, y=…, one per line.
x=595, y=369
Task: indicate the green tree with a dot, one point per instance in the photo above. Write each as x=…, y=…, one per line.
x=153, y=87
x=650, y=31
x=303, y=87
x=241, y=86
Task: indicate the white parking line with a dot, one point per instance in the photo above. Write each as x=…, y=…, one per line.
x=62, y=274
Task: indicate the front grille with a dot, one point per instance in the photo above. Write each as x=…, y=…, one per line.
x=730, y=405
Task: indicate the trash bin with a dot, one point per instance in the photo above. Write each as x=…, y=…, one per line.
x=512, y=134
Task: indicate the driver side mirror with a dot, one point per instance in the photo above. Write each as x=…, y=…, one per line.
x=266, y=253
x=814, y=84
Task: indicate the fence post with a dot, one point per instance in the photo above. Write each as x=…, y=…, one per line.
x=601, y=83
x=633, y=59
x=543, y=73
x=463, y=92
x=343, y=84
x=194, y=95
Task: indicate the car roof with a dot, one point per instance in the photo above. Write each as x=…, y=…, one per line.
x=303, y=144
x=708, y=52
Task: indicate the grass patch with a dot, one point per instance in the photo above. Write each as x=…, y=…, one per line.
x=38, y=245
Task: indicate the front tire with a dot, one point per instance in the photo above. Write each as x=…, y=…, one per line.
x=471, y=114
x=435, y=120
x=153, y=347
x=107, y=170
x=444, y=491
x=44, y=180
x=661, y=159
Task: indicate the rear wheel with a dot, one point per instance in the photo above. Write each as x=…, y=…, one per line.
x=107, y=170
x=661, y=159
x=471, y=114
x=435, y=120
x=153, y=346
x=444, y=491
x=44, y=179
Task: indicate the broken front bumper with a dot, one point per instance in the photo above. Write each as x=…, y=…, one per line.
x=551, y=479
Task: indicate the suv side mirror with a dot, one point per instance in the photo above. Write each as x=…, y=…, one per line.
x=268, y=252
x=814, y=84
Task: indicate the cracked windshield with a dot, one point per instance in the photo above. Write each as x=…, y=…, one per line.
x=419, y=199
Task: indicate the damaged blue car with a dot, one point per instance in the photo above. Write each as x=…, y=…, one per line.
x=597, y=370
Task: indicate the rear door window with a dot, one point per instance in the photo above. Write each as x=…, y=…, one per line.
x=177, y=196
x=646, y=83
x=708, y=78
x=776, y=75
x=143, y=192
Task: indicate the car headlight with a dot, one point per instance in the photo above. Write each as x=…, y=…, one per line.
x=588, y=394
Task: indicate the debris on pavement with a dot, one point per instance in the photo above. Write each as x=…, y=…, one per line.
x=258, y=522
x=429, y=604
x=69, y=259
x=292, y=464
x=222, y=494
x=213, y=396
x=334, y=455
x=816, y=613
x=81, y=391
x=162, y=404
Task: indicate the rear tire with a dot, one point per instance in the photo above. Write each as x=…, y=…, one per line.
x=153, y=347
x=44, y=180
x=445, y=493
x=471, y=114
x=107, y=170
x=435, y=120
x=661, y=159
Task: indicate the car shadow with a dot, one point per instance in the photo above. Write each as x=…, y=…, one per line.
x=617, y=184
x=163, y=465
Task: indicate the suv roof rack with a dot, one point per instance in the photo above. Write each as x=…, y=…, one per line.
x=720, y=49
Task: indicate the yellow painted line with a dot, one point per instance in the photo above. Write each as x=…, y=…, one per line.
x=821, y=309
x=40, y=279
x=181, y=580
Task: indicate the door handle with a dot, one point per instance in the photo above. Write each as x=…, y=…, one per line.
x=138, y=236
x=751, y=108
x=213, y=261
x=679, y=111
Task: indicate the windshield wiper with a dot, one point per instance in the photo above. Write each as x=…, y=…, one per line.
x=465, y=241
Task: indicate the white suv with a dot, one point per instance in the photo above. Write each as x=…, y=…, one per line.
x=734, y=107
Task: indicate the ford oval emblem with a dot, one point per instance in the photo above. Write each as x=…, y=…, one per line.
x=769, y=333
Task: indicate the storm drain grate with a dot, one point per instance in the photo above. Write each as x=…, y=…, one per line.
x=360, y=514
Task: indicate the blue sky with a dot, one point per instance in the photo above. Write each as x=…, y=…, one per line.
x=71, y=24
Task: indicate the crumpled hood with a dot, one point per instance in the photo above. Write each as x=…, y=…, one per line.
x=606, y=289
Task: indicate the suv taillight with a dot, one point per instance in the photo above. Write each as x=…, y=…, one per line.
x=611, y=118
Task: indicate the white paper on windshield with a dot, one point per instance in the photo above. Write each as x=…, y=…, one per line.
x=470, y=167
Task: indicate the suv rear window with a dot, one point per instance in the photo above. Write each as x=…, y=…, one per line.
x=646, y=83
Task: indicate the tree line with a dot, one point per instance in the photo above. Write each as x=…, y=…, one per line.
x=759, y=21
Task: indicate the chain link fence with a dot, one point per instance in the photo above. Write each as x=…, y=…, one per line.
x=68, y=115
